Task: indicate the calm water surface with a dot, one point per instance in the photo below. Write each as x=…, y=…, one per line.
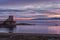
x=45, y=27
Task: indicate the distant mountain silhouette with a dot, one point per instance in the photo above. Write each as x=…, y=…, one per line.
x=54, y=18
x=24, y=24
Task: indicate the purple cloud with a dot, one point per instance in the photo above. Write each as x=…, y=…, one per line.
x=14, y=2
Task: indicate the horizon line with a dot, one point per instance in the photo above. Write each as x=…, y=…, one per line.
x=18, y=18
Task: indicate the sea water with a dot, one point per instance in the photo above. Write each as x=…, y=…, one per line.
x=41, y=26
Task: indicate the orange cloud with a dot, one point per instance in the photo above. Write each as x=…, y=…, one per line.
x=53, y=15
x=23, y=18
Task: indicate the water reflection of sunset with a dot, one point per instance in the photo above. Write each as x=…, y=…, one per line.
x=54, y=30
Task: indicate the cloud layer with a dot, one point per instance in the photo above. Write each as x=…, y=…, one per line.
x=29, y=8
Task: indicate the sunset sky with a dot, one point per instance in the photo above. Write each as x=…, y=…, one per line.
x=30, y=8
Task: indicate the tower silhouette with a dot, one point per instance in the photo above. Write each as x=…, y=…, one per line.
x=9, y=23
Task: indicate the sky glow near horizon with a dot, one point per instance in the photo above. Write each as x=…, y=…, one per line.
x=30, y=8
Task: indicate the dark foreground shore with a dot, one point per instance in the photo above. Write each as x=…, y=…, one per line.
x=28, y=36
